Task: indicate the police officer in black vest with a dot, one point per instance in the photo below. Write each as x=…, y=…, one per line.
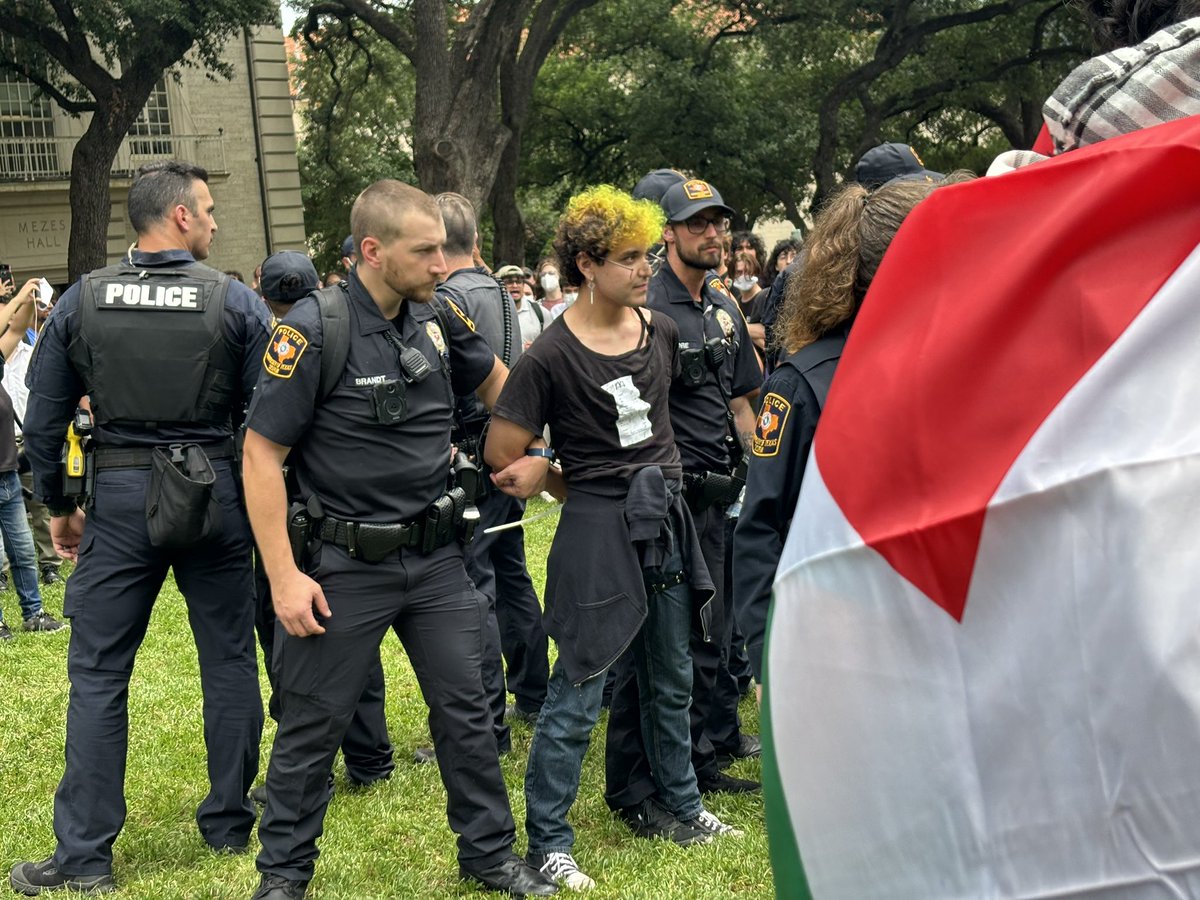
x=168, y=350
x=712, y=415
x=495, y=562
x=380, y=532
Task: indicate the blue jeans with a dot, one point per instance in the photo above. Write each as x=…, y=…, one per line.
x=18, y=544
x=564, y=726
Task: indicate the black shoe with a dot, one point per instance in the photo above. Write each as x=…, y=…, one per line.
x=44, y=622
x=650, y=820
x=229, y=849
x=3, y=582
x=276, y=887
x=424, y=755
x=33, y=878
x=720, y=783
x=5, y=633
x=259, y=795
x=749, y=746
x=511, y=876
x=50, y=575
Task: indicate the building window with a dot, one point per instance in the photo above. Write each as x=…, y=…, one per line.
x=27, y=147
x=150, y=134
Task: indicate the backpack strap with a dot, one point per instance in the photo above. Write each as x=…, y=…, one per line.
x=333, y=303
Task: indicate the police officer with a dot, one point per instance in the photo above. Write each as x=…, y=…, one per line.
x=168, y=350
x=371, y=457
x=495, y=562
x=286, y=277
x=710, y=400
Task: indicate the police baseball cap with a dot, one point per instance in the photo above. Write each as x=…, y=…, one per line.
x=654, y=184
x=684, y=200
x=348, y=245
x=510, y=272
x=287, y=276
x=881, y=164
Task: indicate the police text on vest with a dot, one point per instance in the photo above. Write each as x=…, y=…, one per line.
x=176, y=296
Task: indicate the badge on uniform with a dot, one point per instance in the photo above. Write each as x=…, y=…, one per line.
x=284, y=350
x=458, y=312
x=726, y=322
x=435, y=334
x=771, y=421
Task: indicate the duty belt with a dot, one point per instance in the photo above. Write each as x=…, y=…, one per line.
x=702, y=490
x=370, y=542
x=139, y=457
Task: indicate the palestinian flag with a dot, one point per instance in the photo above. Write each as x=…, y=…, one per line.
x=983, y=667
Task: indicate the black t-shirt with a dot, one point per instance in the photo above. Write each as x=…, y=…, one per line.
x=8, y=433
x=609, y=415
x=699, y=414
x=361, y=470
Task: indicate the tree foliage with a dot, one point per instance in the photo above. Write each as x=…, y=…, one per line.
x=103, y=58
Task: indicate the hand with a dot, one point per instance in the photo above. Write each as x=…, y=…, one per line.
x=66, y=532
x=524, y=477
x=27, y=294
x=296, y=596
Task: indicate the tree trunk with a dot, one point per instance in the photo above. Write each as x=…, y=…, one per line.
x=91, y=202
x=509, y=243
x=458, y=147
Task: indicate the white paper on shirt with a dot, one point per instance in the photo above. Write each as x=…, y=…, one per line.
x=633, y=425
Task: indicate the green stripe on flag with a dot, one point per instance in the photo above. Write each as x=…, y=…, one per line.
x=790, y=880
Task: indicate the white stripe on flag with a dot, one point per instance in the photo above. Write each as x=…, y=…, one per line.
x=1049, y=745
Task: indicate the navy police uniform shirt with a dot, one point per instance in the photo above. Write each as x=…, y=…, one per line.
x=55, y=387
x=359, y=469
x=787, y=422
x=698, y=414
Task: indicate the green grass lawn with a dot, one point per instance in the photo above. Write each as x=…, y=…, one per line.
x=390, y=841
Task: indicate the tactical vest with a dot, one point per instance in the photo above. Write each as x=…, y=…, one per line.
x=151, y=346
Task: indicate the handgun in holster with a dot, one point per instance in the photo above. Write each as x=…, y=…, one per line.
x=299, y=531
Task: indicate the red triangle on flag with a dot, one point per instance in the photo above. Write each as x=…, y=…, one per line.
x=993, y=301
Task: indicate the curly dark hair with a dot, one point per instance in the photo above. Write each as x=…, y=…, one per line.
x=1123, y=23
x=599, y=219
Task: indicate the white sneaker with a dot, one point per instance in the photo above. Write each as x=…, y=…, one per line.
x=710, y=824
x=561, y=868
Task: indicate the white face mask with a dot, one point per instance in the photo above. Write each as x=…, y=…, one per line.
x=549, y=282
x=744, y=284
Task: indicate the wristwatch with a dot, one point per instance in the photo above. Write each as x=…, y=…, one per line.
x=545, y=452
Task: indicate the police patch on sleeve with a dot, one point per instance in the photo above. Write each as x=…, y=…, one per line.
x=284, y=350
x=771, y=422
x=719, y=286
x=458, y=312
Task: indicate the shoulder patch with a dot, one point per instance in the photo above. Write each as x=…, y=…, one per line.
x=284, y=350
x=771, y=422
x=719, y=286
x=458, y=312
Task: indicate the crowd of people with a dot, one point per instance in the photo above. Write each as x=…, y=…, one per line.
x=658, y=373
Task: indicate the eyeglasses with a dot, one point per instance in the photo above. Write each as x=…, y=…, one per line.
x=699, y=224
x=648, y=260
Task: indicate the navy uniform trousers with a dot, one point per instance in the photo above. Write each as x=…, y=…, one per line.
x=496, y=563
x=714, y=720
x=109, y=599
x=439, y=617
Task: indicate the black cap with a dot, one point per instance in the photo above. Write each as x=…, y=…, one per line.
x=684, y=200
x=881, y=164
x=654, y=184
x=287, y=276
x=348, y=245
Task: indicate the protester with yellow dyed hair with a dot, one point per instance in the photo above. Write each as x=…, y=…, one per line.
x=625, y=566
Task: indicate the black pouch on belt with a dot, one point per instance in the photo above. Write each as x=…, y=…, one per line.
x=180, y=507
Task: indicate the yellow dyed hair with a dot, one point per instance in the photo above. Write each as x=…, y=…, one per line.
x=599, y=219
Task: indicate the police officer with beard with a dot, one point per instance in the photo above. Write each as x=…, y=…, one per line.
x=169, y=352
x=712, y=414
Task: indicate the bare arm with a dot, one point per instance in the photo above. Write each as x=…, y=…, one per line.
x=16, y=316
x=744, y=418
x=295, y=595
x=514, y=472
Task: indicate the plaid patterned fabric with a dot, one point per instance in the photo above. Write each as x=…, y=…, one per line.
x=1130, y=88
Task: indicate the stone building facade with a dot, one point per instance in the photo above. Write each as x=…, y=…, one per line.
x=240, y=129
